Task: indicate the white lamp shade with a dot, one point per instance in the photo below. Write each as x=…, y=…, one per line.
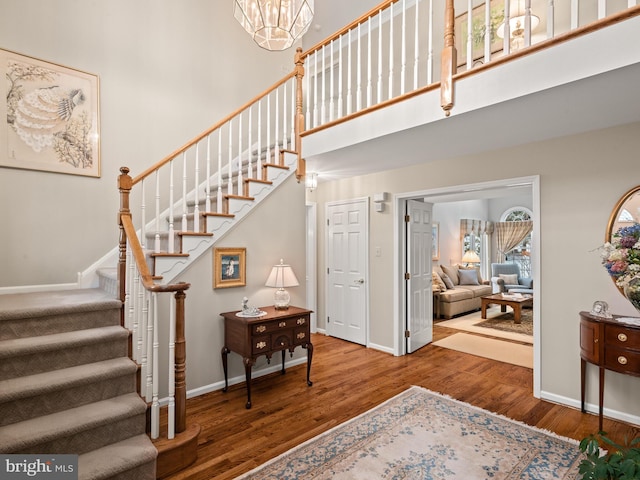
x=274, y=24
x=282, y=276
x=516, y=25
x=470, y=257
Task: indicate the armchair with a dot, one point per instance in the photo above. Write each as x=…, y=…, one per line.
x=505, y=277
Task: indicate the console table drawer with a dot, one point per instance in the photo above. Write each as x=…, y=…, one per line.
x=622, y=360
x=260, y=344
x=273, y=326
x=281, y=340
x=622, y=337
x=301, y=335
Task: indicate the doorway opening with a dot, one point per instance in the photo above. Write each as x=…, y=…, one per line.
x=477, y=191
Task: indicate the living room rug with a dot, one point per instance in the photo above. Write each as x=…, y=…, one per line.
x=507, y=329
x=420, y=434
x=508, y=352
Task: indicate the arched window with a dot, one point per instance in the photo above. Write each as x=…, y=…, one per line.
x=521, y=254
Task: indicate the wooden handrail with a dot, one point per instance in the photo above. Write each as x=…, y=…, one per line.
x=215, y=126
x=362, y=18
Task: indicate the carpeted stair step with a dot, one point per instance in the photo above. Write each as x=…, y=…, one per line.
x=44, y=313
x=50, y=392
x=130, y=459
x=21, y=357
x=77, y=430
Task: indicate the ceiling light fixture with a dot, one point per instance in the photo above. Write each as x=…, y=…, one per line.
x=274, y=24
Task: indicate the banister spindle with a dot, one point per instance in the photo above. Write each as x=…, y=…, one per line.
x=259, y=159
x=323, y=104
x=284, y=116
x=268, y=120
x=448, y=60
x=369, y=81
x=207, y=187
x=379, y=56
x=308, y=116
x=230, y=160
x=602, y=9
x=349, y=80
x=416, y=45
x=293, y=112
x=469, y=38
x=551, y=19
x=185, y=211
x=340, y=79
x=403, y=49
x=239, y=187
x=155, y=402
x=506, y=44
x=487, y=32
x=196, y=191
x=276, y=147
x=250, y=152
x=143, y=216
x=359, y=70
x=331, y=86
x=430, y=46
x=219, y=173
x=391, y=52
x=171, y=381
x=170, y=246
x=315, y=88
x=156, y=246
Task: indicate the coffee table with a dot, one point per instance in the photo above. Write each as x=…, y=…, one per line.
x=516, y=302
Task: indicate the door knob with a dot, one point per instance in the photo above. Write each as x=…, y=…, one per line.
x=360, y=281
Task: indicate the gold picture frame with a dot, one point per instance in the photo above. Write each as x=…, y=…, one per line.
x=478, y=32
x=229, y=267
x=51, y=115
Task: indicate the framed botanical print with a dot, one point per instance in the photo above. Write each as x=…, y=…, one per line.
x=229, y=267
x=51, y=117
x=477, y=28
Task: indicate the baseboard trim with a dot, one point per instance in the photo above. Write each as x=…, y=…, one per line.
x=590, y=408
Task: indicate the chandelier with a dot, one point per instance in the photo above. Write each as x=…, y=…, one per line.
x=274, y=24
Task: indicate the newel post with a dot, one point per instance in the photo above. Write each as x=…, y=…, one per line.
x=180, y=365
x=449, y=60
x=299, y=120
x=125, y=183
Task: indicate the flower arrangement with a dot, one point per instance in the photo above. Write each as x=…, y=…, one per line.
x=621, y=256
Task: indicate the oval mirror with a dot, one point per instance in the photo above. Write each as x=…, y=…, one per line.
x=625, y=213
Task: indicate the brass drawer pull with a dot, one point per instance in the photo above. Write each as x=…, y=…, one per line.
x=261, y=328
x=622, y=337
x=282, y=324
x=622, y=360
x=301, y=321
x=260, y=345
x=301, y=335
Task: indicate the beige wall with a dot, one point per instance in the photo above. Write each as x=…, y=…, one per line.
x=581, y=179
x=167, y=70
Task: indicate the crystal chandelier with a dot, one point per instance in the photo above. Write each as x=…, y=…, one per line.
x=274, y=24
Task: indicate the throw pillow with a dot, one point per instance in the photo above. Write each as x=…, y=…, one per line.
x=447, y=281
x=468, y=277
x=452, y=273
x=437, y=282
x=509, y=279
x=477, y=271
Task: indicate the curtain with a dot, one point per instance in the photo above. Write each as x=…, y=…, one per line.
x=509, y=235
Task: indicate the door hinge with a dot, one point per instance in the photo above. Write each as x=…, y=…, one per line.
x=328, y=319
x=327, y=270
x=407, y=276
x=407, y=333
x=407, y=219
x=327, y=222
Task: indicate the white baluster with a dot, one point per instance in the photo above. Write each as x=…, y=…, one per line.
x=259, y=160
x=144, y=354
x=156, y=247
x=391, y=47
x=551, y=16
x=143, y=216
x=138, y=328
x=155, y=404
x=284, y=116
x=170, y=246
x=230, y=160
x=276, y=145
x=129, y=303
x=416, y=46
x=403, y=49
x=149, y=346
x=340, y=79
x=292, y=136
x=602, y=9
x=171, y=407
x=506, y=44
x=323, y=105
x=527, y=23
x=379, y=56
x=487, y=32
x=185, y=211
x=359, y=71
x=240, y=179
x=315, y=88
x=470, y=34
x=250, y=159
x=331, y=87
x=308, y=82
x=219, y=174
x=208, y=184
x=369, y=81
x=349, y=80
x=196, y=197
x=430, y=46
x=268, y=120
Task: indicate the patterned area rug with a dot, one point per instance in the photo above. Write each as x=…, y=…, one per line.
x=504, y=322
x=420, y=434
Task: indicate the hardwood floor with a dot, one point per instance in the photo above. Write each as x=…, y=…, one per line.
x=350, y=379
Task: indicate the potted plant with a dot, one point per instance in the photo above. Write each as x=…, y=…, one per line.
x=618, y=462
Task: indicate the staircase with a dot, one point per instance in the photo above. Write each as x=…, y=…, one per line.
x=67, y=385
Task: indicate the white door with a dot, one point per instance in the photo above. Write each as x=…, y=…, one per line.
x=347, y=253
x=418, y=267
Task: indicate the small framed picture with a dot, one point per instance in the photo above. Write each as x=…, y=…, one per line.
x=229, y=267
x=600, y=309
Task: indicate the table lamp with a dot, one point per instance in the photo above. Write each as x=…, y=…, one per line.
x=282, y=276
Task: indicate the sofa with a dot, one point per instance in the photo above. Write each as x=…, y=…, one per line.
x=506, y=277
x=458, y=289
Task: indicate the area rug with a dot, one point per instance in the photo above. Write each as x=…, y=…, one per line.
x=508, y=352
x=507, y=330
x=420, y=434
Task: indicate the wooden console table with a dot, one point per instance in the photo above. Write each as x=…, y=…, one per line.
x=609, y=344
x=277, y=331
